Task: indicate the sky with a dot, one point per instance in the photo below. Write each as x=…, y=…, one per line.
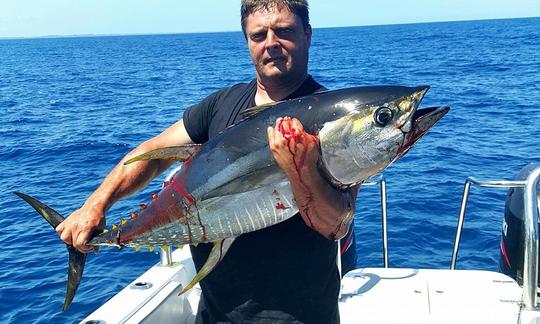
x=35, y=18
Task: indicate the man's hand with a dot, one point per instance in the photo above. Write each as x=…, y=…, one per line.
x=323, y=207
x=294, y=150
x=79, y=226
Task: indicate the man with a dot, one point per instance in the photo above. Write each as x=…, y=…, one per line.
x=287, y=272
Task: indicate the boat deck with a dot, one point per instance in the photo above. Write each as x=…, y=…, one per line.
x=379, y=295
x=370, y=295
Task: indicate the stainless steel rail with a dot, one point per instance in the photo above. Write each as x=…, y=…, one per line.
x=165, y=256
x=530, y=257
x=470, y=180
x=382, y=183
x=165, y=253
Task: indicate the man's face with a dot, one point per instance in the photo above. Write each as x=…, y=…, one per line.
x=278, y=44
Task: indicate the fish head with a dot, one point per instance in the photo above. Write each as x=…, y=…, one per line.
x=380, y=124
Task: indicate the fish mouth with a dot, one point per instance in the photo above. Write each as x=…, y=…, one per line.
x=409, y=105
x=422, y=120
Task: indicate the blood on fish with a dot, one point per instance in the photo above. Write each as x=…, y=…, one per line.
x=281, y=206
x=192, y=202
x=182, y=191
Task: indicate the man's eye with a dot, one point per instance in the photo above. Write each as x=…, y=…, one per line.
x=257, y=37
x=283, y=32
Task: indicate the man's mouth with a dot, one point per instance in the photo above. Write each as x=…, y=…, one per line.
x=275, y=60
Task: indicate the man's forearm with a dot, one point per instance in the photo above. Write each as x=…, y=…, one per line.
x=125, y=180
x=122, y=181
x=326, y=209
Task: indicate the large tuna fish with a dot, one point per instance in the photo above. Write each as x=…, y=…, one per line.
x=231, y=185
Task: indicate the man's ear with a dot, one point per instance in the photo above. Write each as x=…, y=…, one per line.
x=308, y=32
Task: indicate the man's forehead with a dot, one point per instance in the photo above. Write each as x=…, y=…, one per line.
x=272, y=7
x=272, y=16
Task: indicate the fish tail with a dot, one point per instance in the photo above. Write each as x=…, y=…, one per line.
x=77, y=259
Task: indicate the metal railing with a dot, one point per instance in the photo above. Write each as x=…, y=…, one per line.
x=381, y=182
x=165, y=253
x=530, y=258
x=530, y=223
x=165, y=256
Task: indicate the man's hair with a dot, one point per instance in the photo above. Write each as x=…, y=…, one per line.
x=297, y=7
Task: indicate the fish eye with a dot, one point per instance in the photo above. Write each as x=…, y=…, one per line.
x=383, y=116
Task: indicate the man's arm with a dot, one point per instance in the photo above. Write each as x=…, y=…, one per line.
x=122, y=181
x=324, y=208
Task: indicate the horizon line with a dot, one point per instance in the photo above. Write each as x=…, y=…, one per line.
x=239, y=30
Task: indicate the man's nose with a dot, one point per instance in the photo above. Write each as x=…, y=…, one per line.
x=272, y=40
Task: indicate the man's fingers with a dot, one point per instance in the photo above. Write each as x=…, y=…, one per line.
x=271, y=141
x=297, y=125
x=60, y=228
x=71, y=236
x=80, y=240
x=80, y=243
x=66, y=236
x=286, y=125
x=292, y=145
x=278, y=122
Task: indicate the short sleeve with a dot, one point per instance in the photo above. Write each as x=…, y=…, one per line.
x=216, y=112
x=197, y=118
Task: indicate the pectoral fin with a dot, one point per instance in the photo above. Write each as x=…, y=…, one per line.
x=250, y=112
x=247, y=182
x=216, y=255
x=177, y=153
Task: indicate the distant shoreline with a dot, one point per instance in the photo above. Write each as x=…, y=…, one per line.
x=238, y=31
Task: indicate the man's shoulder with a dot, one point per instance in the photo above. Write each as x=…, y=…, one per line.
x=226, y=93
x=238, y=88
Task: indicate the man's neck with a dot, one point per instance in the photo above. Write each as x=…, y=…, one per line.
x=270, y=92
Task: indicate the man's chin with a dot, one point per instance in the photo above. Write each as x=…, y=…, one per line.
x=276, y=74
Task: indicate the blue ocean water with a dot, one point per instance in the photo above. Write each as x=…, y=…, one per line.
x=70, y=108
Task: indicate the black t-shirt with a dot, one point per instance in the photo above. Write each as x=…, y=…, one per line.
x=285, y=273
